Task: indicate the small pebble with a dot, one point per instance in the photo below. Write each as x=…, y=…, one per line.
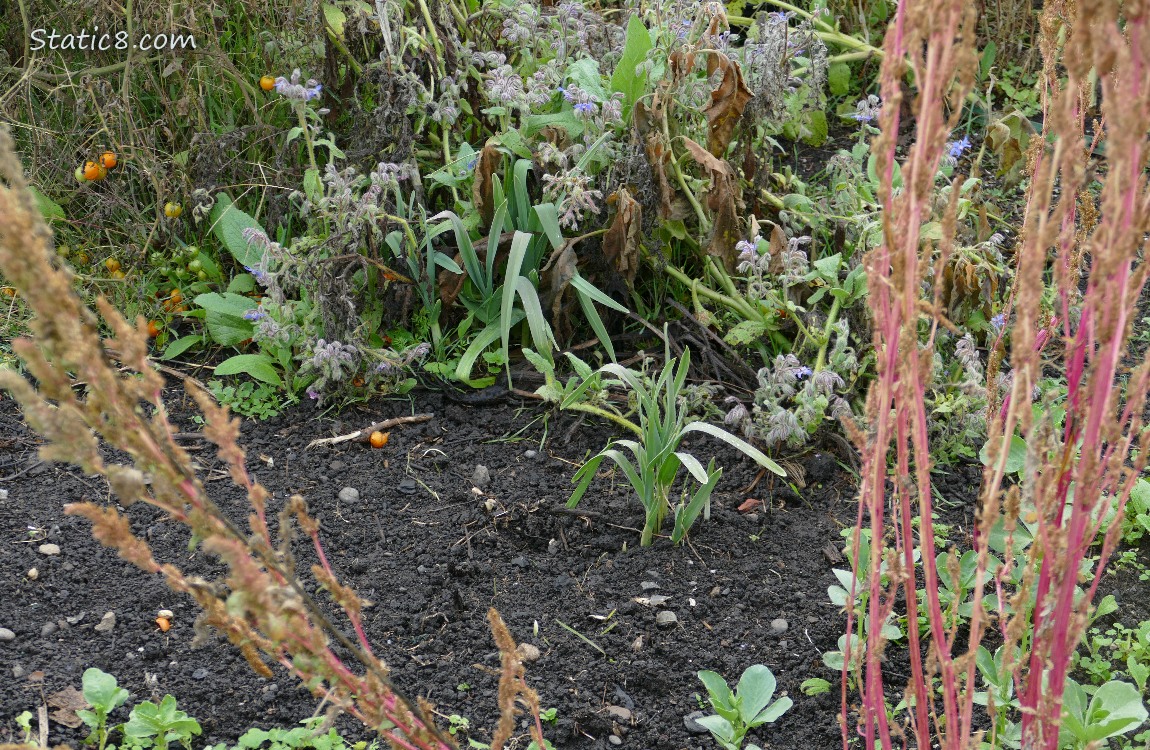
x=481, y=477
x=349, y=495
x=18, y=671
x=553, y=547
x=407, y=486
x=33, y=574
x=48, y=629
x=200, y=674
x=779, y=626
x=530, y=454
x=76, y=619
x=106, y=623
x=615, y=740
x=692, y=725
x=336, y=465
x=521, y=562
x=666, y=619
x=49, y=549
x=752, y=517
x=648, y=585
x=528, y=652
x=6, y=635
x=619, y=714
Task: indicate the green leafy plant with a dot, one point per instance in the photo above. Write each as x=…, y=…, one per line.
x=104, y=696
x=662, y=426
x=748, y=707
x=1114, y=709
x=155, y=726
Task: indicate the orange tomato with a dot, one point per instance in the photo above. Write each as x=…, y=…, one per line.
x=153, y=329
x=91, y=171
x=357, y=382
x=9, y=291
x=118, y=275
x=267, y=83
x=108, y=160
x=379, y=439
x=112, y=265
x=164, y=623
x=175, y=296
x=173, y=210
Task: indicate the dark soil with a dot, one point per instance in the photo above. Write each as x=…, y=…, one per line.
x=433, y=562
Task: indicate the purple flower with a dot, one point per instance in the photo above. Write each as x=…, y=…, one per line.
x=312, y=393
x=957, y=148
x=293, y=89
x=747, y=251
x=803, y=372
x=998, y=321
x=260, y=275
x=587, y=109
x=253, y=315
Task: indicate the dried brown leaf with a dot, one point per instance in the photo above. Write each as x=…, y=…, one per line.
x=722, y=200
x=621, y=242
x=481, y=190
x=727, y=103
x=67, y=702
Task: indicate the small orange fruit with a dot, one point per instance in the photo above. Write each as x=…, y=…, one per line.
x=164, y=623
x=108, y=159
x=267, y=83
x=153, y=329
x=173, y=210
x=112, y=265
x=118, y=275
x=175, y=296
x=379, y=439
x=9, y=291
x=91, y=171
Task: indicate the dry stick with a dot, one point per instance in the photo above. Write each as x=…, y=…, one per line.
x=365, y=434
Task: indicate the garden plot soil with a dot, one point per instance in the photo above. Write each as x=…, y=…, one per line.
x=434, y=553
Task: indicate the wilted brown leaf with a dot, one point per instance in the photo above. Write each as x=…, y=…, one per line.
x=481, y=190
x=67, y=702
x=621, y=242
x=562, y=270
x=727, y=103
x=658, y=154
x=722, y=200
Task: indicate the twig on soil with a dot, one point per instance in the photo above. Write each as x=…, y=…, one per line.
x=35, y=464
x=365, y=434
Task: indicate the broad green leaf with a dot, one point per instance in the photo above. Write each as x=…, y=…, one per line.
x=228, y=223
x=48, y=208
x=242, y=283
x=100, y=690
x=773, y=711
x=259, y=366
x=636, y=45
x=1015, y=459
x=584, y=73
x=756, y=688
x=181, y=345
x=718, y=726
x=839, y=78
x=717, y=688
x=817, y=124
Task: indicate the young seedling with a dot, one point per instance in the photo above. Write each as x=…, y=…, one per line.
x=105, y=696
x=748, y=707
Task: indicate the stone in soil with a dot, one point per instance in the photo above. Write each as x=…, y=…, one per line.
x=690, y=721
x=619, y=714
x=49, y=549
x=779, y=626
x=528, y=652
x=349, y=495
x=33, y=574
x=48, y=629
x=407, y=486
x=6, y=635
x=106, y=623
x=666, y=619
x=481, y=477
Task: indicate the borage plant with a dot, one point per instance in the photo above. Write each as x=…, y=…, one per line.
x=663, y=424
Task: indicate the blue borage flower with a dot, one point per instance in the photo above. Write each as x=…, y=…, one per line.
x=955, y=149
x=291, y=88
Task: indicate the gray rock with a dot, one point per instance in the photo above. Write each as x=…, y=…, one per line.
x=648, y=585
x=614, y=740
x=752, y=517
x=76, y=619
x=528, y=652
x=779, y=626
x=619, y=714
x=48, y=629
x=349, y=495
x=6, y=635
x=106, y=623
x=666, y=619
x=18, y=671
x=32, y=574
x=200, y=674
x=336, y=465
x=481, y=477
x=407, y=486
x=690, y=721
x=553, y=547
x=521, y=562
x=530, y=454
x=49, y=549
